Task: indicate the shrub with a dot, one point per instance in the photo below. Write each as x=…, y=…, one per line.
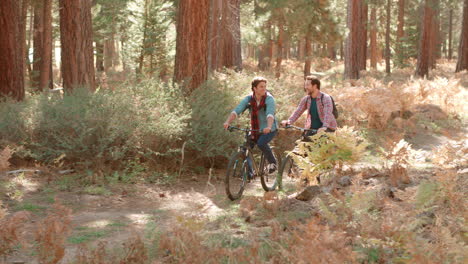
x=83, y=127
x=211, y=104
x=326, y=150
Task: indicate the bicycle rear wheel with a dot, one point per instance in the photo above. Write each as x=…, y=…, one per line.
x=236, y=176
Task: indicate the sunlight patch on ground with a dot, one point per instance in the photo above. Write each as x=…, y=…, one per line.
x=193, y=204
x=27, y=184
x=98, y=223
x=139, y=219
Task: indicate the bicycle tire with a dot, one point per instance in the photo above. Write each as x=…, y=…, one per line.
x=269, y=182
x=288, y=168
x=236, y=176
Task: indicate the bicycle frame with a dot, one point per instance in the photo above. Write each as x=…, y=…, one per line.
x=248, y=151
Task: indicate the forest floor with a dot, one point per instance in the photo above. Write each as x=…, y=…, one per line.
x=119, y=211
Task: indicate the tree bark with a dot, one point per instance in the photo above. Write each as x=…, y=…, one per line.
x=363, y=50
x=353, y=44
x=434, y=53
x=28, y=46
x=45, y=73
x=450, y=34
x=38, y=43
x=308, y=54
x=191, y=64
x=232, y=36
x=400, y=28
x=144, y=44
x=373, y=39
x=387, y=38
x=22, y=33
x=99, y=56
x=266, y=51
x=462, y=63
x=422, y=67
x=76, y=36
x=11, y=64
x=279, y=54
x=109, y=53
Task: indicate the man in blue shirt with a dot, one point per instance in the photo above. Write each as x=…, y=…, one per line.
x=262, y=117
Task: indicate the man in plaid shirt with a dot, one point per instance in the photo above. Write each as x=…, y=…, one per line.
x=319, y=108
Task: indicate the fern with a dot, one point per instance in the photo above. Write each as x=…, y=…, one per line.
x=427, y=194
x=326, y=150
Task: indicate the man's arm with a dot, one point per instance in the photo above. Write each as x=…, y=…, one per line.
x=237, y=111
x=270, y=113
x=297, y=113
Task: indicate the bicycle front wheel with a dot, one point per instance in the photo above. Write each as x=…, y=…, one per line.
x=269, y=181
x=236, y=176
x=288, y=169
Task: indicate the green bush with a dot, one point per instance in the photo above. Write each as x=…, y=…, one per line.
x=83, y=127
x=96, y=129
x=14, y=122
x=211, y=104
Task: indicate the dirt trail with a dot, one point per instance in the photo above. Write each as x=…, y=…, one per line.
x=150, y=208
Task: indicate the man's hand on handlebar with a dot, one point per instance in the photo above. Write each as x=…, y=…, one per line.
x=285, y=123
x=266, y=130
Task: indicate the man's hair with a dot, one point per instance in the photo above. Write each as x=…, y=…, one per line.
x=258, y=80
x=313, y=80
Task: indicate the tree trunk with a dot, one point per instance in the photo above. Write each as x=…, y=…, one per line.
x=363, y=50
x=266, y=50
x=44, y=77
x=434, y=53
x=191, y=64
x=144, y=44
x=38, y=43
x=387, y=38
x=109, y=53
x=231, y=39
x=76, y=36
x=462, y=63
x=28, y=47
x=353, y=44
x=301, y=49
x=331, y=50
x=99, y=56
x=422, y=67
x=373, y=38
x=400, y=29
x=279, y=54
x=235, y=34
x=308, y=54
x=450, y=34
x=11, y=65
x=341, y=51
x=22, y=33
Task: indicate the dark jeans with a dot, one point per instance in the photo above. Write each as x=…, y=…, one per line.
x=262, y=144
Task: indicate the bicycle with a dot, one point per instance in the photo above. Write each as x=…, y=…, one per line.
x=237, y=174
x=288, y=166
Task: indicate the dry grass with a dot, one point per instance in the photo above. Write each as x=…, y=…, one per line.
x=5, y=155
x=10, y=230
x=51, y=234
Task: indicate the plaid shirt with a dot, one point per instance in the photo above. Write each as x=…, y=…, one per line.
x=325, y=111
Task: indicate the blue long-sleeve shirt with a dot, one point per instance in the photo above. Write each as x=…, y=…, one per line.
x=263, y=113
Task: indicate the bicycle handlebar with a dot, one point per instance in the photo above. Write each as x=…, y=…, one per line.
x=231, y=128
x=300, y=128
